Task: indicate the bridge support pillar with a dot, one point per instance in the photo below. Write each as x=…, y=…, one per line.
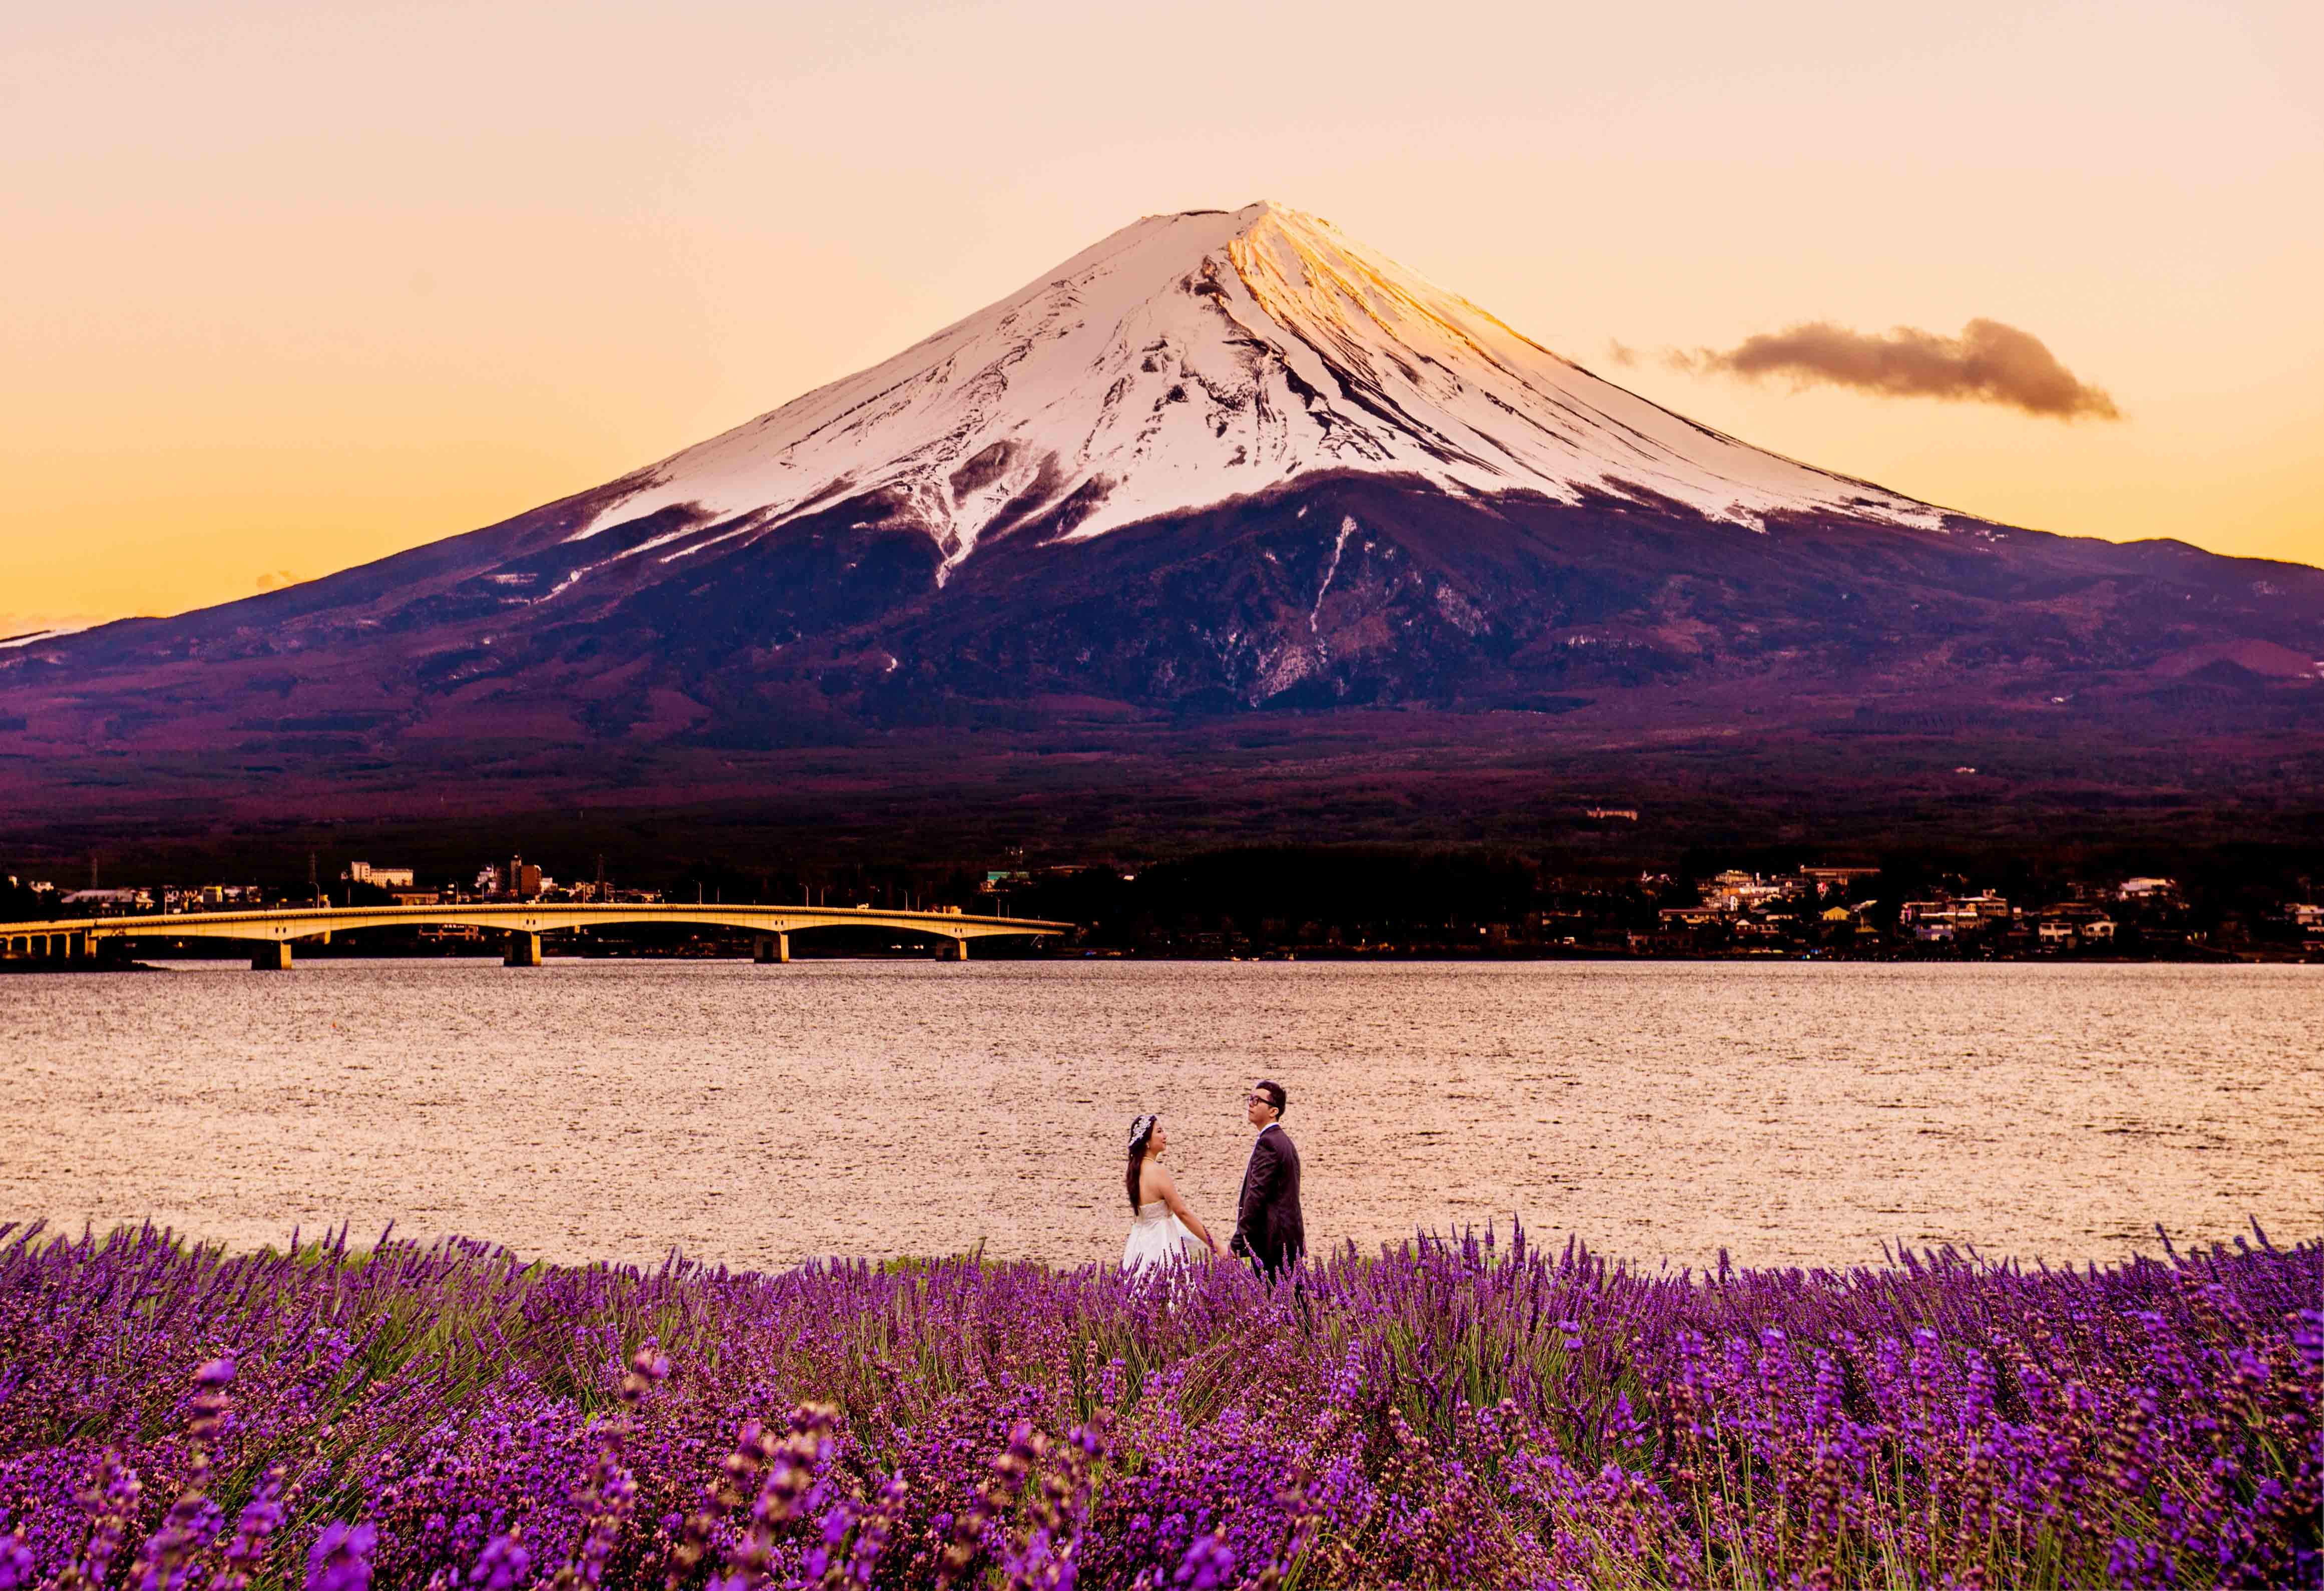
x=271, y=958
x=773, y=948
x=523, y=950
x=958, y=952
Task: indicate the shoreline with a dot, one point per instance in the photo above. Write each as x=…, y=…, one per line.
x=1889, y=1259
x=1438, y=956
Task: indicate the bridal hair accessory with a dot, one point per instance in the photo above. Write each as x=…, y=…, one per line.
x=1138, y=1129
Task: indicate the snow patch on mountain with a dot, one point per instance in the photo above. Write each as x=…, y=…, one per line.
x=1194, y=358
x=1339, y=545
x=34, y=636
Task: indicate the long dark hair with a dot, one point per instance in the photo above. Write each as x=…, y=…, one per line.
x=1140, y=1131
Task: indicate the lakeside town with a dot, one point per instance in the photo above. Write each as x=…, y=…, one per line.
x=1285, y=904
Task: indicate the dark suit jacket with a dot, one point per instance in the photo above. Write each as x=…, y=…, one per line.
x=1267, y=1226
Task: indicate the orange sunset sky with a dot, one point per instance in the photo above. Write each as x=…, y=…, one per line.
x=291, y=286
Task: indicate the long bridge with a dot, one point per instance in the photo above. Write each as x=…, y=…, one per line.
x=271, y=933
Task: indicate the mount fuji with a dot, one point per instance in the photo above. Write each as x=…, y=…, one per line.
x=1221, y=463
x=1190, y=360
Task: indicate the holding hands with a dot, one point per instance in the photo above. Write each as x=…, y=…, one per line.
x=1269, y=1231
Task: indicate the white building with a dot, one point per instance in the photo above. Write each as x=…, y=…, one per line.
x=97, y=902
x=1967, y=912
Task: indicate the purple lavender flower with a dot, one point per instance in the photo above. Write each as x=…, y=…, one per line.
x=15, y=1563
x=872, y=1536
x=108, y=1502
x=340, y=1558
x=260, y=1518
x=503, y=1564
x=1208, y=1564
x=166, y=1561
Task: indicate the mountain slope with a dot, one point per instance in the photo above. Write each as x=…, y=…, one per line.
x=1220, y=462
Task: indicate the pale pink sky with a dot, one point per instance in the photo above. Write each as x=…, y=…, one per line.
x=291, y=287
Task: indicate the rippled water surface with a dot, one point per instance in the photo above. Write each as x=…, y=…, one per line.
x=757, y=1115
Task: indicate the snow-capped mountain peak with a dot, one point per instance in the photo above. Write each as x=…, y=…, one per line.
x=1189, y=359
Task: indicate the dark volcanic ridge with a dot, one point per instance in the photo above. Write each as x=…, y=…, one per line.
x=1332, y=591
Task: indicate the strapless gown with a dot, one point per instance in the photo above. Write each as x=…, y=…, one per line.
x=1157, y=1237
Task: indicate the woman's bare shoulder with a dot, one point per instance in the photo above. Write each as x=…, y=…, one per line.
x=1155, y=1181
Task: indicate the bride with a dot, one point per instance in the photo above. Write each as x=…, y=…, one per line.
x=1163, y=1230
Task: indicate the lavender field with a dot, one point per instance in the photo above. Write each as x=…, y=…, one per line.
x=1469, y=1413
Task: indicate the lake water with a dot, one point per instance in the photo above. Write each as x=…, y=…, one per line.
x=1788, y=1112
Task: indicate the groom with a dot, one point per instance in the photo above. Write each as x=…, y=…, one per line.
x=1268, y=1232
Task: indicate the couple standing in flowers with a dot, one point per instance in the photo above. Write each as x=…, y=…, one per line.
x=1269, y=1231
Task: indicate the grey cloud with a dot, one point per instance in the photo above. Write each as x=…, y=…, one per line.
x=1989, y=362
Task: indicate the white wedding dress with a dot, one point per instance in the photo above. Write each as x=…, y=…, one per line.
x=1156, y=1238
